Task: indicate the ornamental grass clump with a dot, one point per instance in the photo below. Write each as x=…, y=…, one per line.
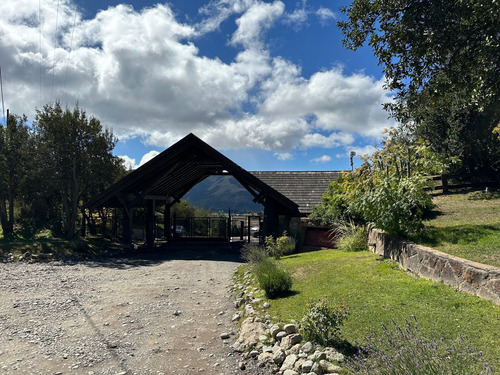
x=323, y=321
x=404, y=351
x=253, y=254
x=272, y=277
x=351, y=236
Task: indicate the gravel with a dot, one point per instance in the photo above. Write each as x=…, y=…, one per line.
x=157, y=313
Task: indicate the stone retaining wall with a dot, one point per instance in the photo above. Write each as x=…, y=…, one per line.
x=466, y=276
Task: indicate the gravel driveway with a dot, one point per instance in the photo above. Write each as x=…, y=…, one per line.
x=157, y=313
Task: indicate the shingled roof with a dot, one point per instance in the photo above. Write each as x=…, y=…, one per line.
x=305, y=188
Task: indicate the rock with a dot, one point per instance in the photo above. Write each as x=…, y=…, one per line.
x=265, y=357
x=288, y=362
x=279, y=356
x=280, y=335
x=328, y=367
x=307, y=347
x=267, y=349
x=317, y=369
x=307, y=365
x=266, y=305
x=235, y=317
x=241, y=365
x=254, y=353
x=317, y=356
x=333, y=355
x=250, y=332
x=290, y=328
x=298, y=365
x=288, y=341
x=274, y=330
x=295, y=349
x=290, y=372
x=225, y=336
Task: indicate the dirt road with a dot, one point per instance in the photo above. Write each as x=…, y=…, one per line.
x=157, y=313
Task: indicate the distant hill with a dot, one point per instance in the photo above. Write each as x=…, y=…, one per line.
x=221, y=193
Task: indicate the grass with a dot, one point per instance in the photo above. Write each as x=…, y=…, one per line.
x=466, y=225
x=377, y=291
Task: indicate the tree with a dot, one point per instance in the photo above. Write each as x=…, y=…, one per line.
x=77, y=160
x=14, y=157
x=389, y=189
x=441, y=59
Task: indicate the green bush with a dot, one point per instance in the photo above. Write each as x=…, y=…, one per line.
x=283, y=245
x=404, y=351
x=389, y=189
x=354, y=240
x=322, y=322
x=272, y=277
x=396, y=205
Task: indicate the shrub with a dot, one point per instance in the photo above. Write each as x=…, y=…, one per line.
x=272, y=277
x=286, y=244
x=354, y=240
x=283, y=245
x=396, y=205
x=404, y=351
x=322, y=322
x=272, y=247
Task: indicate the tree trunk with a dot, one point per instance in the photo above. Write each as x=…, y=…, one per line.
x=3, y=217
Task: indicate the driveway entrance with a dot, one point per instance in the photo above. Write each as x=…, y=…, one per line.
x=160, y=313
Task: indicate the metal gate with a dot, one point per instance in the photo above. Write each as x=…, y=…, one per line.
x=246, y=228
x=232, y=228
x=200, y=228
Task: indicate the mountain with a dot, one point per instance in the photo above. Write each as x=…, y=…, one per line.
x=221, y=193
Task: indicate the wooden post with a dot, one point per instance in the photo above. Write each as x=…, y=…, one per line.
x=127, y=227
x=84, y=222
x=270, y=220
x=444, y=183
x=166, y=222
x=249, y=235
x=150, y=219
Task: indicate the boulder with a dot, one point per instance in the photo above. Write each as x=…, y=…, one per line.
x=279, y=356
x=290, y=328
x=250, y=332
x=329, y=368
x=289, y=362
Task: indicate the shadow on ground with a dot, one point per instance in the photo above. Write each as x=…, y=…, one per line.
x=143, y=257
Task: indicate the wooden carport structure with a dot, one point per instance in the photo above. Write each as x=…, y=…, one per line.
x=165, y=179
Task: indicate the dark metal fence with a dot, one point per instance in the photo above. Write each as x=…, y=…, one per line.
x=200, y=227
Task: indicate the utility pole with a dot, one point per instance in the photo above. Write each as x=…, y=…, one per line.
x=351, y=156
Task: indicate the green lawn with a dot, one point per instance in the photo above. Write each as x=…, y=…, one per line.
x=377, y=291
x=466, y=225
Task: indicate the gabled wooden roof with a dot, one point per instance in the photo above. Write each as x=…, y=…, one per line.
x=305, y=188
x=176, y=170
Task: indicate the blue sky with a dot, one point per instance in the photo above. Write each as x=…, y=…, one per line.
x=267, y=83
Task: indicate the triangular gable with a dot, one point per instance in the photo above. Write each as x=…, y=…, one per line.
x=172, y=173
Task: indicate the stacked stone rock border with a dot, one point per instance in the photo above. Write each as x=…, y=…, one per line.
x=277, y=348
x=464, y=275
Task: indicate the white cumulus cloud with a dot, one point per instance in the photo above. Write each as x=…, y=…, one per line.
x=141, y=73
x=321, y=159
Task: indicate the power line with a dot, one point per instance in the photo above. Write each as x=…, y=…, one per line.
x=1, y=89
x=40, y=45
x=55, y=46
x=70, y=50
